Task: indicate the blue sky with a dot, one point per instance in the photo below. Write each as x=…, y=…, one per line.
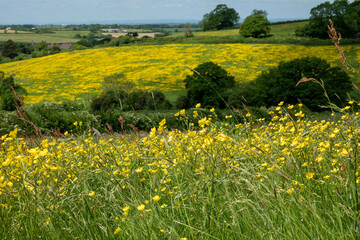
x=90, y=11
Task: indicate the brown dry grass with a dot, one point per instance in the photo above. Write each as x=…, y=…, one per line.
x=12, y=31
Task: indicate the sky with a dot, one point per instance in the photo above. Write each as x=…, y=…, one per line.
x=140, y=11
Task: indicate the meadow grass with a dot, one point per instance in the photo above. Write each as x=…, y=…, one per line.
x=291, y=178
x=57, y=37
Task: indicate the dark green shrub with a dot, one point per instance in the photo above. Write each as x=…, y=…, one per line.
x=70, y=106
x=50, y=116
x=247, y=94
x=110, y=99
x=208, y=85
x=121, y=94
x=280, y=84
x=182, y=102
x=10, y=92
x=9, y=121
x=9, y=49
x=124, y=40
x=156, y=100
x=85, y=43
x=137, y=100
x=144, y=100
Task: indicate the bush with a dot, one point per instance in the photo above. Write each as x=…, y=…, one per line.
x=245, y=94
x=208, y=85
x=280, y=84
x=110, y=99
x=50, y=116
x=9, y=49
x=121, y=94
x=8, y=88
x=182, y=102
x=255, y=26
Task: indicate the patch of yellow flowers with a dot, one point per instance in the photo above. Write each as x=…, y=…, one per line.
x=292, y=153
x=79, y=73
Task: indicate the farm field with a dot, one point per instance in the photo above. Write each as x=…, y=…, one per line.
x=161, y=67
x=291, y=179
x=57, y=37
x=278, y=31
x=140, y=35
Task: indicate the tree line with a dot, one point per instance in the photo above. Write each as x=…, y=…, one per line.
x=344, y=14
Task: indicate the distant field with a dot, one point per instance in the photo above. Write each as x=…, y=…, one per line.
x=57, y=37
x=286, y=30
x=12, y=32
x=140, y=35
x=162, y=67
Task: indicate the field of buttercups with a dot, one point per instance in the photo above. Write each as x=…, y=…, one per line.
x=291, y=178
x=162, y=67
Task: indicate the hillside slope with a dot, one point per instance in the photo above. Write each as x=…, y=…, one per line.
x=80, y=73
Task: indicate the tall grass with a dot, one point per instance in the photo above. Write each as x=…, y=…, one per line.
x=291, y=178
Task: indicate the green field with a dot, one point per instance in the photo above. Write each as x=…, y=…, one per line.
x=57, y=37
x=278, y=31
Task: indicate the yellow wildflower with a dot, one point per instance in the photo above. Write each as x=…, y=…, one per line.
x=141, y=207
x=310, y=175
x=117, y=231
x=156, y=198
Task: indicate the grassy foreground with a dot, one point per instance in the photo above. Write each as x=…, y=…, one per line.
x=288, y=179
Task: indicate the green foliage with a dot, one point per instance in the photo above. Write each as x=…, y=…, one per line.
x=280, y=84
x=8, y=88
x=220, y=18
x=48, y=116
x=135, y=100
x=85, y=43
x=114, y=93
x=121, y=94
x=208, y=85
x=346, y=18
x=25, y=48
x=41, y=46
x=259, y=12
x=9, y=49
x=246, y=93
x=54, y=49
x=187, y=30
x=182, y=102
x=110, y=99
x=255, y=25
x=9, y=121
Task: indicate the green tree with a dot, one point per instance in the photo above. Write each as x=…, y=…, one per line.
x=8, y=89
x=220, y=18
x=208, y=85
x=345, y=15
x=10, y=49
x=41, y=46
x=255, y=25
x=280, y=84
x=187, y=30
x=259, y=12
